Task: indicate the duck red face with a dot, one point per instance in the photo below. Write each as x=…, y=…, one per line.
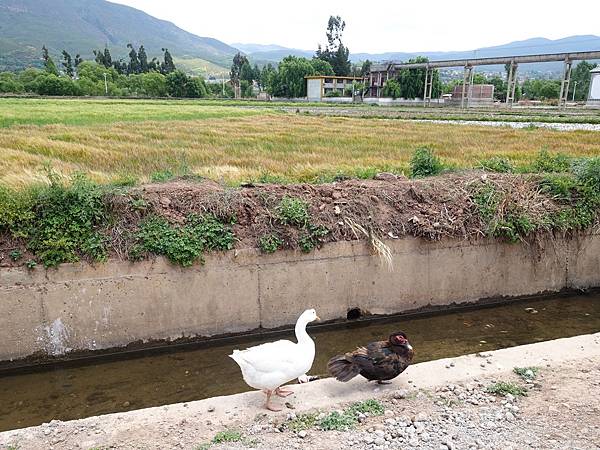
x=399, y=339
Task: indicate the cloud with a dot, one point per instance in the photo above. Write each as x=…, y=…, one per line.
x=377, y=26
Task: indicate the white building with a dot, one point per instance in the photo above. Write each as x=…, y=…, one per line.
x=594, y=94
x=319, y=87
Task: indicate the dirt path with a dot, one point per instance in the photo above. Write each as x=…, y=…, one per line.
x=440, y=405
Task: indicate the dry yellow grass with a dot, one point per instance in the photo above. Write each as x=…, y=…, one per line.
x=235, y=149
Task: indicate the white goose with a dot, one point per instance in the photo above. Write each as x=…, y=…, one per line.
x=268, y=366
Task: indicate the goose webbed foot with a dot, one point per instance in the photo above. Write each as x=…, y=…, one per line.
x=268, y=405
x=281, y=392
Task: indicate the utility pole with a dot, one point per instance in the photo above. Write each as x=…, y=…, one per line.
x=105, y=85
x=574, y=87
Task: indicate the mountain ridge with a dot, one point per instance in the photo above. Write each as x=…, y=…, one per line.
x=534, y=45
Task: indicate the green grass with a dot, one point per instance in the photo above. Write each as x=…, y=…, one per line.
x=527, y=373
x=36, y=111
x=224, y=437
x=335, y=420
x=503, y=388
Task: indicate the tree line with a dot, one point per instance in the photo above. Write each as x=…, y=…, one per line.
x=287, y=79
x=106, y=76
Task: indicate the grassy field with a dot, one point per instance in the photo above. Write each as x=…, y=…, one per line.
x=113, y=140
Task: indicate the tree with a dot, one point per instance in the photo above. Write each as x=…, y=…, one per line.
x=68, y=64
x=142, y=59
x=103, y=57
x=266, y=75
x=168, y=66
x=78, y=60
x=48, y=62
x=107, y=58
x=176, y=83
x=235, y=74
x=335, y=52
x=134, y=63
x=580, y=80
x=195, y=88
x=365, y=68
x=392, y=88
x=289, y=80
x=154, y=84
x=412, y=81
x=247, y=73
x=321, y=67
x=180, y=85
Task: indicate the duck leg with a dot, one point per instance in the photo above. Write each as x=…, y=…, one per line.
x=281, y=392
x=268, y=405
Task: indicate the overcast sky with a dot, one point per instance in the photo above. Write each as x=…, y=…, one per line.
x=372, y=26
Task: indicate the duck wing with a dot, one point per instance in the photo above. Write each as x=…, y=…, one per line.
x=270, y=357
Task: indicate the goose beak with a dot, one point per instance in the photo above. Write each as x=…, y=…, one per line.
x=318, y=318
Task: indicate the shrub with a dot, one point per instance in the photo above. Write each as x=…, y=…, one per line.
x=545, y=162
x=269, y=243
x=497, y=164
x=587, y=171
x=182, y=245
x=292, y=211
x=424, y=163
x=66, y=222
x=312, y=237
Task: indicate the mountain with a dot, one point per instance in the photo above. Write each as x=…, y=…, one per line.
x=528, y=46
x=79, y=26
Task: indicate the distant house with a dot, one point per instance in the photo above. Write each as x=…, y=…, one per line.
x=594, y=94
x=319, y=87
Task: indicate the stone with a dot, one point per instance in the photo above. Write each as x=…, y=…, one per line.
x=302, y=434
x=400, y=394
x=379, y=441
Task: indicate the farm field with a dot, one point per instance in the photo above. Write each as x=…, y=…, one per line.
x=116, y=140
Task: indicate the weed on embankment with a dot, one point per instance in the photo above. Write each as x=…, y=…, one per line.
x=68, y=220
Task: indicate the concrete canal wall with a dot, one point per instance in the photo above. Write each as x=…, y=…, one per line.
x=85, y=307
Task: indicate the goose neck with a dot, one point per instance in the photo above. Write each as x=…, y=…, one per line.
x=301, y=334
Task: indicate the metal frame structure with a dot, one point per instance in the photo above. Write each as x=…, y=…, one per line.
x=384, y=71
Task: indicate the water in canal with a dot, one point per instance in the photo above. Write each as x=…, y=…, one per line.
x=197, y=373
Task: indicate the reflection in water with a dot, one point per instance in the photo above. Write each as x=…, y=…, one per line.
x=71, y=393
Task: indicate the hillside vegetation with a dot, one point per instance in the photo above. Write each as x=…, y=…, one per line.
x=27, y=25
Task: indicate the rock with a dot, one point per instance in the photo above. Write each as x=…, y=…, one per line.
x=211, y=409
x=510, y=416
x=379, y=433
x=385, y=176
x=400, y=394
x=379, y=441
x=337, y=210
x=126, y=404
x=420, y=417
x=336, y=195
x=302, y=434
x=414, y=442
x=369, y=439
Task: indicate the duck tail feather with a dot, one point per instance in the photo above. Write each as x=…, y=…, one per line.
x=342, y=369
